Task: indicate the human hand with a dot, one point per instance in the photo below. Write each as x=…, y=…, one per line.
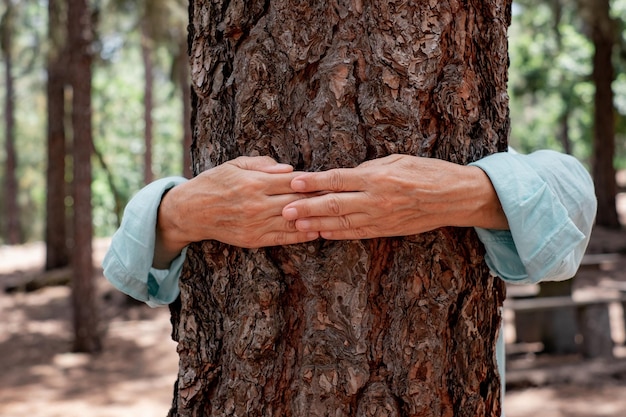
x=397, y=195
x=238, y=203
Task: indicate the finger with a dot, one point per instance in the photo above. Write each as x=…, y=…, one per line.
x=275, y=203
x=280, y=184
x=330, y=224
x=278, y=231
x=261, y=163
x=331, y=204
x=288, y=238
x=337, y=180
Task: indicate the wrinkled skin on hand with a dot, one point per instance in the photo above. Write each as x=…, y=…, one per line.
x=239, y=203
x=396, y=195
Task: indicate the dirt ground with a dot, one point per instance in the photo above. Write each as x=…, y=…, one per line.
x=134, y=374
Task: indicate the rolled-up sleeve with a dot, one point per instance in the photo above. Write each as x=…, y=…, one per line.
x=550, y=204
x=128, y=261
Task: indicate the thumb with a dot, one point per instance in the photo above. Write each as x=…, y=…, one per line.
x=261, y=163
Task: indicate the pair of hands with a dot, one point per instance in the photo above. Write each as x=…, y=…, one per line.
x=255, y=201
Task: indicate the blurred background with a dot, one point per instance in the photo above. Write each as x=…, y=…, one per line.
x=124, y=63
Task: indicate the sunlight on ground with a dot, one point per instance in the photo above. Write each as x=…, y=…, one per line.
x=565, y=402
x=134, y=375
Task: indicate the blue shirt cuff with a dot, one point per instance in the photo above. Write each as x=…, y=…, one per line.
x=128, y=262
x=549, y=200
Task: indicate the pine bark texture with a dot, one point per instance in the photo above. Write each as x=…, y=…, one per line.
x=381, y=327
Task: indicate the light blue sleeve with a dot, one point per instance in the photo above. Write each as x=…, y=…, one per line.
x=128, y=262
x=549, y=200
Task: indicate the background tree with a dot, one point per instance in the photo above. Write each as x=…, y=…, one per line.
x=563, y=60
x=148, y=97
x=549, y=85
x=167, y=22
x=10, y=207
x=80, y=38
x=56, y=236
x=396, y=327
x=601, y=27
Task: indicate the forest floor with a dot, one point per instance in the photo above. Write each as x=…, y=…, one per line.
x=135, y=373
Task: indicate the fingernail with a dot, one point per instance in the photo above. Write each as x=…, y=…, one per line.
x=312, y=235
x=298, y=185
x=290, y=213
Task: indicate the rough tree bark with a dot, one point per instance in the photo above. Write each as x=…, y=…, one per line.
x=382, y=327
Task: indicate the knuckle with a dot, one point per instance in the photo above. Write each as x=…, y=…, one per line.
x=345, y=222
x=278, y=238
x=291, y=225
x=333, y=206
x=336, y=180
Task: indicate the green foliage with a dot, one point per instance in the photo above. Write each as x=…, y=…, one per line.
x=118, y=120
x=117, y=112
x=618, y=9
x=550, y=88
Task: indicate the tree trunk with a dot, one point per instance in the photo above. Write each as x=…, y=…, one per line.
x=148, y=101
x=603, y=38
x=57, y=253
x=11, y=213
x=87, y=335
x=386, y=327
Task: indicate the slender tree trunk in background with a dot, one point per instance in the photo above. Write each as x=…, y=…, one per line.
x=380, y=327
x=563, y=132
x=183, y=73
x=10, y=211
x=148, y=102
x=80, y=36
x=57, y=251
x=596, y=13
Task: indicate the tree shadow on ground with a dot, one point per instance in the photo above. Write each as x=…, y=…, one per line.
x=36, y=361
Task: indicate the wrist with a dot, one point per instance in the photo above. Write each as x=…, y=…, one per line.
x=486, y=211
x=170, y=234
